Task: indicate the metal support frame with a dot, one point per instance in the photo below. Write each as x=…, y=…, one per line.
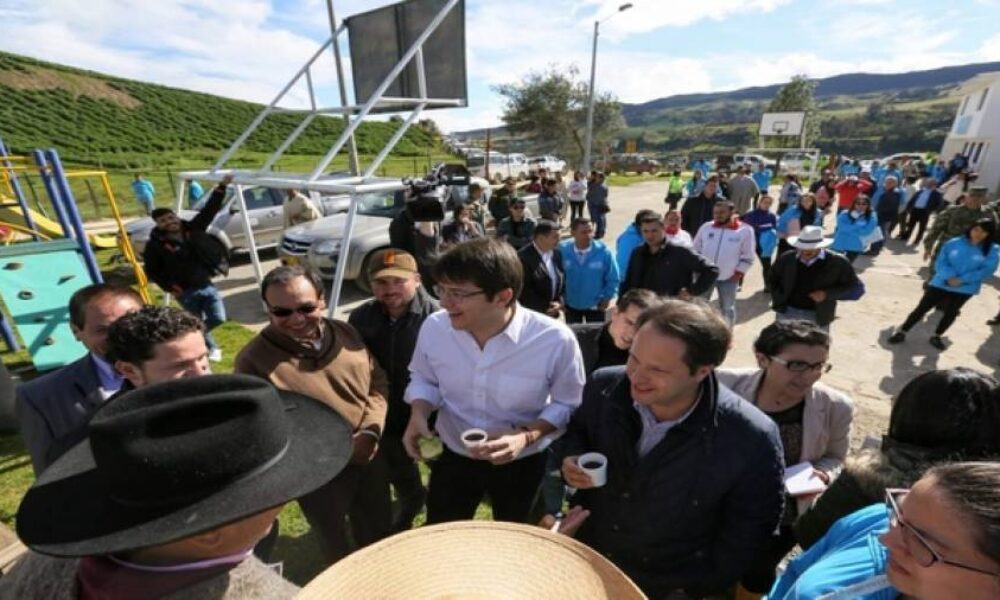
x=354, y=114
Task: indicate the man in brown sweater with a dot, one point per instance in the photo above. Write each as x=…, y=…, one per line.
x=304, y=352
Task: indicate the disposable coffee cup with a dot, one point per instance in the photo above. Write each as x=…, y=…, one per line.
x=595, y=465
x=430, y=447
x=474, y=438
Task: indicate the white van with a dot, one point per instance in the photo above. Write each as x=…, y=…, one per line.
x=501, y=166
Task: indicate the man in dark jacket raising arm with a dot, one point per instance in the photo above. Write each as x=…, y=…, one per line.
x=181, y=258
x=694, y=473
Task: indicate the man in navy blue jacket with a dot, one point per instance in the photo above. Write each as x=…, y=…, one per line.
x=694, y=473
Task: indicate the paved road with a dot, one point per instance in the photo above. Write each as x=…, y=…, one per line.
x=865, y=366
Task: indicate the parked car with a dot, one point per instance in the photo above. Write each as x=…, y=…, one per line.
x=754, y=160
x=551, y=163
x=902, y=158
x=501, y=166
x=264, y=206
x=795, y=162
x=319, y=244
x=628, y=163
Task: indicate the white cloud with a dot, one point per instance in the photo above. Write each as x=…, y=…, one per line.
x=990, y=50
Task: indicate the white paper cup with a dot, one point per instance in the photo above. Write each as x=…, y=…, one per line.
x=474, y=438
x=595, y=465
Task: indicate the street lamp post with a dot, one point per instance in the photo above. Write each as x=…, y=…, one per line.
x=588, y=139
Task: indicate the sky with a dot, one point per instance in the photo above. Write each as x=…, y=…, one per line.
x=249, y=49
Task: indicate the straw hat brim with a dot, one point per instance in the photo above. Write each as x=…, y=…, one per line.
x=474, y=559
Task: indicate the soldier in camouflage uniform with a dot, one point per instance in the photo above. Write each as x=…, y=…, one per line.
x=499, y=204
x=955, y=221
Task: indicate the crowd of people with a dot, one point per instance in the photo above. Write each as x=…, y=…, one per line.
x=572, y=385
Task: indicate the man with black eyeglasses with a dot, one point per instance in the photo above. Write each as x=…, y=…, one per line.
x=486, y=362
x=304, y=352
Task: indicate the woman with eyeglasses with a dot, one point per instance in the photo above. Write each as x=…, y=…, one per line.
x=813, y=419
x=855, y=228
x=938, y=540
x=941, y=416
x=961, y=267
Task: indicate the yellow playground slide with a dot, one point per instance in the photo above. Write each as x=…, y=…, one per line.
x=50, y=228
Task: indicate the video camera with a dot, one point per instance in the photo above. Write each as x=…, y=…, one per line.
x=425, y=197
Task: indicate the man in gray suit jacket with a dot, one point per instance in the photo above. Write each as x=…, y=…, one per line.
x=53, y=409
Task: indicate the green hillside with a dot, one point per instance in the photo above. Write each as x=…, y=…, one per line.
x=868, y=125
x=122, y=124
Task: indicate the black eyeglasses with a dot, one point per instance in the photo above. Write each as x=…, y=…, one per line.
x=917, y=546
x=801, y=366
x=306, y=309
x=517, y=207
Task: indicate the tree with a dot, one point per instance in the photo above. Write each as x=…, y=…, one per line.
x=550, y=110
x=798, y=95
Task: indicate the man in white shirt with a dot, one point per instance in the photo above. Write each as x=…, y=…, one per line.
x=487, y=362
x=728, y=243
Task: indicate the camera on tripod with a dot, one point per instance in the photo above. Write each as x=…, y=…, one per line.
x=425, y=198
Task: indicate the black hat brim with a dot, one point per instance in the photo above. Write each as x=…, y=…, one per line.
x=68, y=511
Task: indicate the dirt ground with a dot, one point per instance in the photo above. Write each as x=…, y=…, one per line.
x=864, y=365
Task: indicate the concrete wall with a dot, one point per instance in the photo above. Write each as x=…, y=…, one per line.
x=977, y=126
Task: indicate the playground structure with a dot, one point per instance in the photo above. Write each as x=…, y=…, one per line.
x=43, y=262
x=413, y=50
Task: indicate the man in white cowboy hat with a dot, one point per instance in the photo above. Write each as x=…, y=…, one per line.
x=174, y=485
x=807, y=282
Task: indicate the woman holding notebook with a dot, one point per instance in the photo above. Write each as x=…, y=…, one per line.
x=814, y=421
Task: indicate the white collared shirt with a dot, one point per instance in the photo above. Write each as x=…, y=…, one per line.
x=581, y=253
x=654, y=431
x=531, y=370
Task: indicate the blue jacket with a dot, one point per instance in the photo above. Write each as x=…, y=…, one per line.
x=794, y=212
x=692, y=513
x=594, y=280
x=694, y=187
x=848, y=554
x=939, y=172
x=764, y=224
x=851, y=234
x=143, y=189
x=195, y=192
x=959, y=258
x=628, y=241
x=762, y=179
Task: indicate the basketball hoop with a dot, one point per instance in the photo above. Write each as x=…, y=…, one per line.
x=779, y=127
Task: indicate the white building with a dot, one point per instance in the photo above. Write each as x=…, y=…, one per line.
x=976, y=131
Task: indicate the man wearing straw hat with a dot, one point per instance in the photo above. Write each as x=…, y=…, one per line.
x=487, y=363
x=172, y=489
x=692, y=484
x=806, y=283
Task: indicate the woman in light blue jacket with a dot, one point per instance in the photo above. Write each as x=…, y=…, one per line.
x=959, y=271
x=855, y=228
x=935, y=540
x=792, y=220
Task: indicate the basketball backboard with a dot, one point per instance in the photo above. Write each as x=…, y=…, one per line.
x=783, y=123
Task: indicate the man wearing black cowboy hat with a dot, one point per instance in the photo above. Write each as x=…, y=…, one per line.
x=172, y=489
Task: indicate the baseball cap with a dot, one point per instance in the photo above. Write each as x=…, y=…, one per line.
x=391, y=263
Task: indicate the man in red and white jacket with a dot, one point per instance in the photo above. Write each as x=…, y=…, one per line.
x=729, y=243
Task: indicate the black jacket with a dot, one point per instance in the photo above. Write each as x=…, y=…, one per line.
x=697, y=509
x=403, y=234
x=191, y=263
x=836, y=279
x=536, y=293
x=668, y=271
x=588, y=336
x=696, y=212
x=392, y=344
x=934, y=203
